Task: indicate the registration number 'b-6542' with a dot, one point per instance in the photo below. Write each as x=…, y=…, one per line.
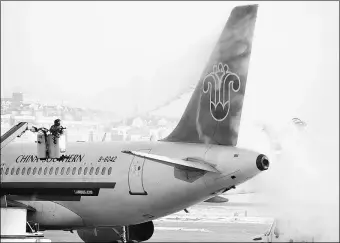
x=107, y=159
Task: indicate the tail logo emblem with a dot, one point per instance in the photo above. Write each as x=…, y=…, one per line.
x=219, y=83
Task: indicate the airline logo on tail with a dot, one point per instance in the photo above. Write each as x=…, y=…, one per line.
x=213, y=114
x=220, y=83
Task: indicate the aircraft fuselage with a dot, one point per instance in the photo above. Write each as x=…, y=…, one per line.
x=118, y=188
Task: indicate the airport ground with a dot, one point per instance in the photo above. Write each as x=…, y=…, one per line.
x=185, y=232
x=203, y=223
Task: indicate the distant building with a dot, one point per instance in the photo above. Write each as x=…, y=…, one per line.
x=5, y=105
x=137, y=134
x=162, y=122
x=138, y=122
x=17, y=99
x=6, y=100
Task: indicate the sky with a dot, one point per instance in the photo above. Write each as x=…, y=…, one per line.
x=94, y=53
x=128, y=56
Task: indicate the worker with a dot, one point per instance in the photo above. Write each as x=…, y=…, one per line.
x=56, y=129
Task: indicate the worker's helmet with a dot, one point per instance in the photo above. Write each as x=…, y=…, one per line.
x=57, y=122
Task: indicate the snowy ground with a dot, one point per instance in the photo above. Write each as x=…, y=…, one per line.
x=203, y=223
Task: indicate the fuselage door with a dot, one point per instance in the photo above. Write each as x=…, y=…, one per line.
x=135, y=180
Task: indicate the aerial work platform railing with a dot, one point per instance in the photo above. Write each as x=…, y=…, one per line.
x=15, y=131
x=48, y=145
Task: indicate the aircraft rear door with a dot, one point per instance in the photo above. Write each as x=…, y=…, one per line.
x=135, y=180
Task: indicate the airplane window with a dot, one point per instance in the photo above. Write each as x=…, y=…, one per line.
x=29, y=170
x=103, y=170
x=40, y=170
x=34, y=170
x=45, y=171
x=12, y=171
x=18, y=170
x=62, y=171
x=7, y=170
x=85, y=171
x=51, y=170
x=56, y=171
x=23, y=170
x=91, y=171
x=109, y=171
x=79, y=170
x=74, y=170
x=97, y=170
x=68, y=170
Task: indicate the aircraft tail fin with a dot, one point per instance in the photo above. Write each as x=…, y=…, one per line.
x=214, y=110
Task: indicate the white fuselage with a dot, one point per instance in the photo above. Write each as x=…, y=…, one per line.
x=143, y=190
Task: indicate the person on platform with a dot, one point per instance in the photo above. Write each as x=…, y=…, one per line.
x=56, y=129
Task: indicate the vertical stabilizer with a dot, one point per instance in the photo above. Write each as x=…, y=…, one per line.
x=214, y=111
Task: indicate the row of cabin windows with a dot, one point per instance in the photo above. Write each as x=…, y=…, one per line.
x=49, y=171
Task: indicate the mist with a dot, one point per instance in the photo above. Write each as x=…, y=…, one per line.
x=297, y=77
x=301, y=188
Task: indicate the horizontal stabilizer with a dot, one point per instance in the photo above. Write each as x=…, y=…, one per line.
x=236, y=192
x=197, y=165
x=217, y=199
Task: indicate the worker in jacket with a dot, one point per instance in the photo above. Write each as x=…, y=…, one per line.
x=56, y=129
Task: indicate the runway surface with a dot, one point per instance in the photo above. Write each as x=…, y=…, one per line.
x=202, y=224
x=185, y=232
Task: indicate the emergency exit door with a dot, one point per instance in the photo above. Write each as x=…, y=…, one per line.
x=136, y=186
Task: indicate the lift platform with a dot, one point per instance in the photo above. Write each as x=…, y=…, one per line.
x=48, y=145
x=14, y=225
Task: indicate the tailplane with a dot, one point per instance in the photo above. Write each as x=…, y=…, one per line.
x=214, y=110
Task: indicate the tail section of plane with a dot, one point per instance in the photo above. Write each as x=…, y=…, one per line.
x=214, y=110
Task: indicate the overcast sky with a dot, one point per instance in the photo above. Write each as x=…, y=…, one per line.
x=124, y=56
x=99, y=52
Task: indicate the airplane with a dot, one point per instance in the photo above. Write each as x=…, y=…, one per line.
x=113, y=191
